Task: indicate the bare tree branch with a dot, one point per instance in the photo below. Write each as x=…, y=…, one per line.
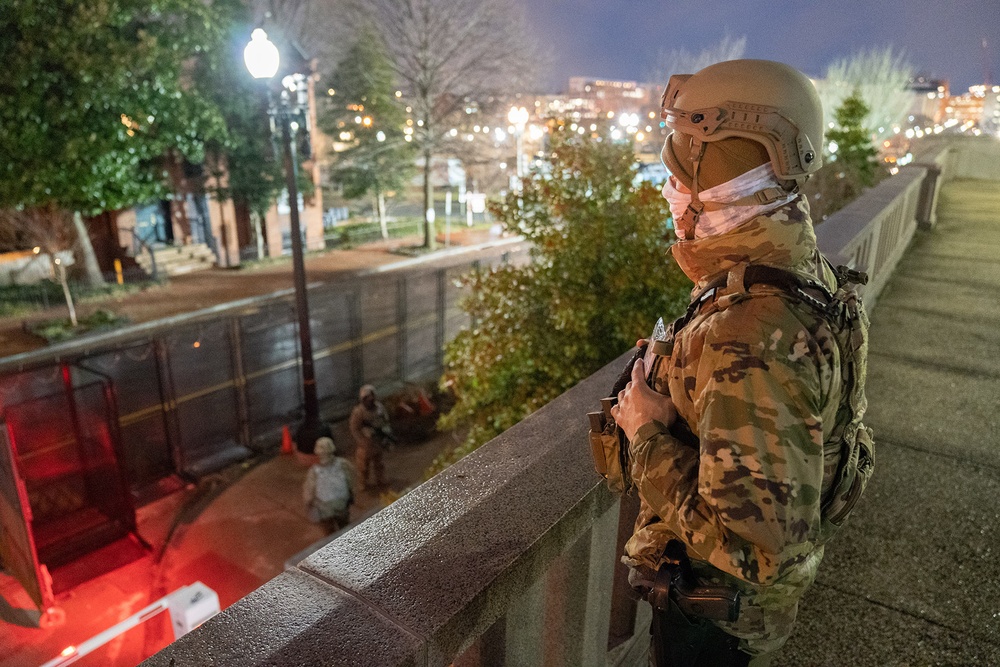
x=880, y=76
x=682, y=61
x=449, y=52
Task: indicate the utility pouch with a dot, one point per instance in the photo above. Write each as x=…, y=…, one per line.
x=609, y=448
x=852, y=478
x=608, y=445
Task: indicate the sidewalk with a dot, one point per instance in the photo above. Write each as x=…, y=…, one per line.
x=233, y=532
x=913, y=578
x=202, y=289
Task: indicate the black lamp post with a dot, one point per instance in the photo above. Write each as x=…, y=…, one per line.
x=262, y=59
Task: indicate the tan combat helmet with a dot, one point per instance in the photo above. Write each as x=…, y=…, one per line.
x=735, y=115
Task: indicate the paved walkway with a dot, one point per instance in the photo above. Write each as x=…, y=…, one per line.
x=914, y=578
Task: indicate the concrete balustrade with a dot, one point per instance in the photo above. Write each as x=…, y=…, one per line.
x=511, y=555
x=871, y=233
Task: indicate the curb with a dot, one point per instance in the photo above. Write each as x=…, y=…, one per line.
x=440, y=254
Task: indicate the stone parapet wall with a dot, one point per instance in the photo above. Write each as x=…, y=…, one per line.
x=872, y=232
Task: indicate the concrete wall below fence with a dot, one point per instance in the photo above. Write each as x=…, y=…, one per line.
x=27, y=268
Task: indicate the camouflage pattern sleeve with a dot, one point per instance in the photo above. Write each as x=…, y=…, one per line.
x=358, y=427
x=747, y=502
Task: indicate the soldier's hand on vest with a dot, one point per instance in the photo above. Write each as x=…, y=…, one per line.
x=638, y=404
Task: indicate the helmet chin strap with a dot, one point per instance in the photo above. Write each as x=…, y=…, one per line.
x=690, y=217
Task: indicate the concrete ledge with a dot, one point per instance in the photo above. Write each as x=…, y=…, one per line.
x=845, y=228
x=296, y=620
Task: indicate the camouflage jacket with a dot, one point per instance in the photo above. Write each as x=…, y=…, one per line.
x=759, y=382
x=368, y=425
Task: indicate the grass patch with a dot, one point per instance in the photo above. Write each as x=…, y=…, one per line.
x=18, y=300
x=60, y=329
x=358, y=233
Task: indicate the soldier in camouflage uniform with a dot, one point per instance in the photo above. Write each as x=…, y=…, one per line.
x=369, y=426
x=756, y=376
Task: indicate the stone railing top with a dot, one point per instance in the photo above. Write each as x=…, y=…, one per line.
x=843, y=228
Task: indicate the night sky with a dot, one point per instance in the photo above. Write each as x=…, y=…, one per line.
x=621, y=39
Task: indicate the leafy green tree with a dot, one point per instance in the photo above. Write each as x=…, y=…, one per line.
x=854, y=150
x=851, y=161
x=598, y=280
x=241, y=164
x=94, y=94
x=365, y=113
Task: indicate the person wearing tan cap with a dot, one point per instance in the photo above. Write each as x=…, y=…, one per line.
x=328, y=490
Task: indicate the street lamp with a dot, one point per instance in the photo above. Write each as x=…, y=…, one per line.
x=262, y=60
x=518, y=117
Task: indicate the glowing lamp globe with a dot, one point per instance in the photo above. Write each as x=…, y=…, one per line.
x=261, y=56
x=517, y=116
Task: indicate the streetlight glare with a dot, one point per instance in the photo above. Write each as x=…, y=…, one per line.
x=518, y=116
x=261, y=56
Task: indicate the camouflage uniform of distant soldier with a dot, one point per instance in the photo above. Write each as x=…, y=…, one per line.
x=369, y=425
x=756, y=375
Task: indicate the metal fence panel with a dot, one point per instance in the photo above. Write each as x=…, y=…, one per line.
x=334, y=327
x=17, y=548
x=421, y=325
x=270, y=357
x=66, y=452
x=207, y=407
x=379, y=335
x=146, y=450
x=24, y=386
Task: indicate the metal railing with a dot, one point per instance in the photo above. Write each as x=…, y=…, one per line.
x=509, y=556
x=139, y=245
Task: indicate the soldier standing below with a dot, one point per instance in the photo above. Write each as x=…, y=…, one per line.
x=369, y=424
x=743, y=419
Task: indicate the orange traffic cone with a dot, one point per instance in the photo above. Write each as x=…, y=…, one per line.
x=286, y=440
x=424, y=404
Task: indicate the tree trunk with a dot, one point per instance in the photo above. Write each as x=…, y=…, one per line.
x=258, y=231
x=59, y=271
x=380, y=206
x=93, y=271
x=430, y=238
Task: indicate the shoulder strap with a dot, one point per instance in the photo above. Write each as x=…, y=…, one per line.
x=808, y=290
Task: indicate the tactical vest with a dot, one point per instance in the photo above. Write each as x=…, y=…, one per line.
x=848, y=453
